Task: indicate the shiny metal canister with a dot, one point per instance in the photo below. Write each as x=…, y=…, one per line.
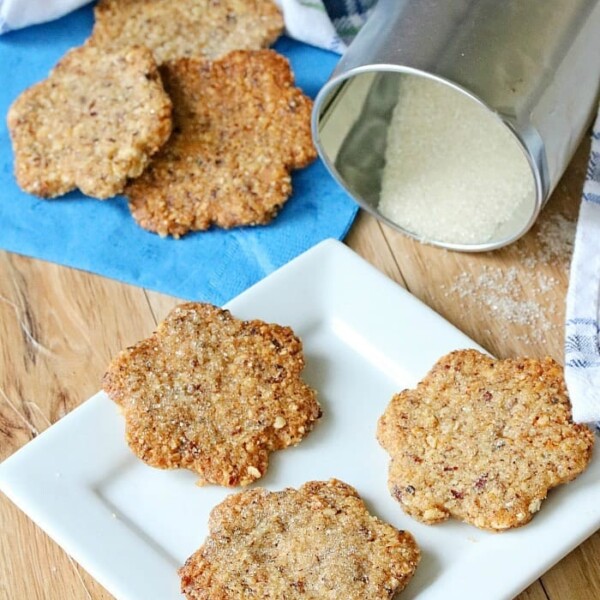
x=535, y=64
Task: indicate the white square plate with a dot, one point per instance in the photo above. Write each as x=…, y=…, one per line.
x=365, y=338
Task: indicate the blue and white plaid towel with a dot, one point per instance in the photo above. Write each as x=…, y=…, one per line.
x=582, y=336
x=329, y=24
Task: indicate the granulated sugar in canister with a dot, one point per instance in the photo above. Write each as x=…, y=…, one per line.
x=453, y=171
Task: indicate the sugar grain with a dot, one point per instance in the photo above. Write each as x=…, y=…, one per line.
x=453, y=171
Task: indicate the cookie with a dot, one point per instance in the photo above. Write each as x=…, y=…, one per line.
x=92, y=124
x=213, y=394
x=240, y=126
x=482, y=440
x=318, y=542
x=185, y=28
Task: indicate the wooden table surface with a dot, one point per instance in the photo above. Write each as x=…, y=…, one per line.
x=59, y=328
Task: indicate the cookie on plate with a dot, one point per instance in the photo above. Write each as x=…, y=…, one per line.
x=318, y=542
x=482, y=440
x=213, y=394
x=92, y=124
x=240, y=127
x=184, y=28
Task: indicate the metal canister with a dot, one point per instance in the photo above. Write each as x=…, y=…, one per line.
x=533, y=63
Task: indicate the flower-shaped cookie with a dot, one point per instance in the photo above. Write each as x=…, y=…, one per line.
x=318, y=542
x=185, y=28
x=213, y=394
x=92, y=124
x=482, y=440
x=239, y=127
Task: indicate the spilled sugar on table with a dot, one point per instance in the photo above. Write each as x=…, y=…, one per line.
x=59, y=328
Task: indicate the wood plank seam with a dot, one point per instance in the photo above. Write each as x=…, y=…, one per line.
x=389, y=247
x=154, y=317
x=544, y=589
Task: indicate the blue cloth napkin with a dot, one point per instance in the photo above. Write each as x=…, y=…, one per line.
x=101, y=236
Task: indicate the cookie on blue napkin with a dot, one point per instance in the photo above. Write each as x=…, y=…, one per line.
x=240, y=126
x=92, y=124
x=183, y=28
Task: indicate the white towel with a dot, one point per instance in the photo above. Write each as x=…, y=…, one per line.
x=582, y=339
x=15, y=14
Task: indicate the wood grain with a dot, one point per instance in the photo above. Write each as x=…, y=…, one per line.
x=59, y=327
